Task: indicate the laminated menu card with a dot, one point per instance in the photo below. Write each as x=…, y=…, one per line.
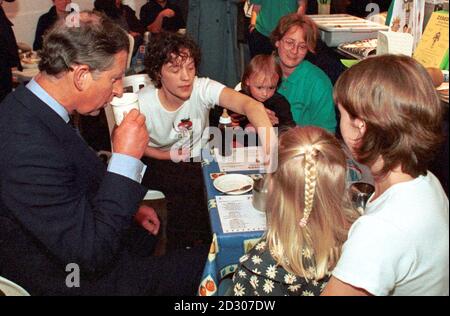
x=237, y=214
x=241, y=159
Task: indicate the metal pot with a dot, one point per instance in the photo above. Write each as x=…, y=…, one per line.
x=260, y=194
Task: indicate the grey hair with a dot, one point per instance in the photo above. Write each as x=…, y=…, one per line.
x=93, y=42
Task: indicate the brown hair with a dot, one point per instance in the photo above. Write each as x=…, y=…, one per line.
x=265, y=65
x=395, y=97
x=94, y=43
x=308, y=208
x=164, y=48
x=296, y=20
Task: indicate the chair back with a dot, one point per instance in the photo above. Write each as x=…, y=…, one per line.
x=9, y=288
x=136, y=82
x=130, y=50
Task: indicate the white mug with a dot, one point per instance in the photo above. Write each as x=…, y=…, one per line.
x=122, y=106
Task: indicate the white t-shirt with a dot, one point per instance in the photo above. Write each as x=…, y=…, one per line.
x=184, y=126
x=400, y=246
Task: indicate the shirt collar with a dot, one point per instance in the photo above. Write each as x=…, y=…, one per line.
x=297, y=73
x=37, y=90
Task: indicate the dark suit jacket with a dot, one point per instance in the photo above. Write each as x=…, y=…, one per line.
x=45, y=22
x=58, y=205
x=9, y=55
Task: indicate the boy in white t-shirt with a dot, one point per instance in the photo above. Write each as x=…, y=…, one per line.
x=177, y=106
x=177, y=109
x=391, y=120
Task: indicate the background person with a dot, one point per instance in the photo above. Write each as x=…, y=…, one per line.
x=400, y=245
x=124, y=16
x=59, y=204
x=265, y=17
x=307, y=88
x=162, y=15
x=46, y=21
x=9, y=54
x=260, y=80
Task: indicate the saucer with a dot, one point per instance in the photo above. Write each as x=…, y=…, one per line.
x=233, y=181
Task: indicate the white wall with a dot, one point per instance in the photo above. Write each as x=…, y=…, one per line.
x=24, y=14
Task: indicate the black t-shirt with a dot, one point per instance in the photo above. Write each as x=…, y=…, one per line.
x=149, y=13
x=278, y=104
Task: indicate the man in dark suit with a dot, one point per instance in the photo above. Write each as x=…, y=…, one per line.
x=66, y=223
x=9, y=56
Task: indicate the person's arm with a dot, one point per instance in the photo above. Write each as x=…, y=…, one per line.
x=280, y=105
x=75, y=210
x=255, y=11
x=255, y=112
x=336, y=287
x=156, y=25
x=156, y=153
x=178, y=154
x=302, y=7
x=132, y=21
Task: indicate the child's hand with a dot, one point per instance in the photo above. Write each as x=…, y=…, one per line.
x=272, y=117
x=250, y=128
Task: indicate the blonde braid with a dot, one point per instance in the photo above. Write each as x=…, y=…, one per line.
x=310, y=183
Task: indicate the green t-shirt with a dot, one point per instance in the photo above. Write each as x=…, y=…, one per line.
x=310, y=93
x=271, y=12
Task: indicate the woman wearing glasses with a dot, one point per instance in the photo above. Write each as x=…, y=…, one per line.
x=307, y=88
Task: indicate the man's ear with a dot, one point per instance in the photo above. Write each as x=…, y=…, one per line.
x=81, y=75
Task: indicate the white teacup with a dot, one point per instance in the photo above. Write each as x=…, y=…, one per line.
x=122, y=106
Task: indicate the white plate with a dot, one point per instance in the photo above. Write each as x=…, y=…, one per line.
x=230, y=182
x=11, y=289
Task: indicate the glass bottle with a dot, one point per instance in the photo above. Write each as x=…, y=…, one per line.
x=226, y=131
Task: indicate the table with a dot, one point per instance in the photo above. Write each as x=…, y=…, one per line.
x=226, y=248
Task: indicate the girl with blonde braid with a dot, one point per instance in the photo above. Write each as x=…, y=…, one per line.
x=308, y=217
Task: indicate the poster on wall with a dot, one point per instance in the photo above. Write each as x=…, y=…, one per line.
x=407, y=17
x=432, y=50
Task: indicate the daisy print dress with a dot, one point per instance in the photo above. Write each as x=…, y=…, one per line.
x=258, y=274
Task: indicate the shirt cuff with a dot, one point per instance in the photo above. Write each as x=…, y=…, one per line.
x=127, y=166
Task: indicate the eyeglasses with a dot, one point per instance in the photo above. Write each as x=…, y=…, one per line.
x=290, y=44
